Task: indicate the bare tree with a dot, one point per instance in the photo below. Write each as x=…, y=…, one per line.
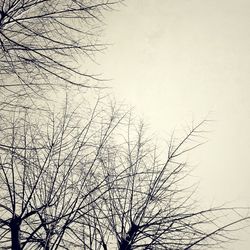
x=74, y=179
x=149, y=206
x=42, y=42
x=50, y=175
x=93, y=180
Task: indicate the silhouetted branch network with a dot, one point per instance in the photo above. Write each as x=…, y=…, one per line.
x=95, y=181
x=43, y=43
x=86, y=177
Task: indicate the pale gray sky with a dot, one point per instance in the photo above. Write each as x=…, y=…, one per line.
x=175, y=60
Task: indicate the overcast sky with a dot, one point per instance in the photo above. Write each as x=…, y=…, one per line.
x=178, y=60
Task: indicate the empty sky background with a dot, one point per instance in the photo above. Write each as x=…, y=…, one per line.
x=178, y=60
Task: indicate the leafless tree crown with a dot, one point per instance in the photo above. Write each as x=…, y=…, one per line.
x=42, y=41
x=95, y=181
x=86, y=176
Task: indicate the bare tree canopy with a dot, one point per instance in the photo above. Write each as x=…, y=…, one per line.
x=50, y=173
x=96, y=181
x=149, y=207
x=86, y=176
x=42, y=41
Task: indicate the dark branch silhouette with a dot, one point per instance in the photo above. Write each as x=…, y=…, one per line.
x=42, y=43
x=86, y=177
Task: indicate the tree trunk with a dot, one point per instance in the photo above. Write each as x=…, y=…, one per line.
x=126, y=243
x=15, y=233
x=47, y=246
